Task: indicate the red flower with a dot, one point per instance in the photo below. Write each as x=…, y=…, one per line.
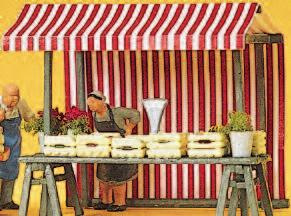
x=75, y=113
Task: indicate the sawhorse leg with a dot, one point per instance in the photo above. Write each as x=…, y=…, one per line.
x=25, y=191
x=266, y=198
x=252, y=197
x=70, y=177
x=52, y=191
x=223, y=191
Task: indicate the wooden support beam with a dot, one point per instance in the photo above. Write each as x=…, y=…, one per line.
x=81, y=102
x=81, y=96
x=188, y=203
x=48, y=60
x=238, y=80
x=260, y=85
x=264, y=38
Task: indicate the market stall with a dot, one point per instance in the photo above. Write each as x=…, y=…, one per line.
x=206, y=59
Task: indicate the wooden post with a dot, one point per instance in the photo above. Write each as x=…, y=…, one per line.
x=81, y=102
x=48, y=59
x=238, y=80
x=260, y=83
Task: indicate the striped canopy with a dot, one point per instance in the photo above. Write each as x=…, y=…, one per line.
x=89, y=27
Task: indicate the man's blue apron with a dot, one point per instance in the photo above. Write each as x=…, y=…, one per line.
x=9, y=169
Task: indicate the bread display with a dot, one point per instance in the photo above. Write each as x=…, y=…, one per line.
x=259, y=143
x=167, y=145
x=94, y=145
x=207, y=144
x=63, y=145
x=129, y=147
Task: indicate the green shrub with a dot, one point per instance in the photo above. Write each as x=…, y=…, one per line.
x=239, y=121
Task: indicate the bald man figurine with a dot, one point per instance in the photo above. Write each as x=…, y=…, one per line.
x=12, y=110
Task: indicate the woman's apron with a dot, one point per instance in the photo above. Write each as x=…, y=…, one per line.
x=113, y=173
x=9, y=169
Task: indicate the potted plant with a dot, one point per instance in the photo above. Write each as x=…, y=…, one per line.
x=35, y=126
x=75, y=122
x=240, y=133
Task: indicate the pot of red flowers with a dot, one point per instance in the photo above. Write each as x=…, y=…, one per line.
x=35, y=126
x=75, y=122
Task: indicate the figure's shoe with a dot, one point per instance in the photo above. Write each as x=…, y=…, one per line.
x=116, y=208
x=101, y=206
x=10, y=205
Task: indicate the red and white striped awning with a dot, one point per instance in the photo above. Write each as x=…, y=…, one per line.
x=88, y=27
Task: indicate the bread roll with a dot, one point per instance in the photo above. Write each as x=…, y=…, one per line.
x=135, y=153
x=64, y=152
x=206, y=136
x=127, y=142
x=64, y=140
x=92, y=139
x=198, y=145
x=166, y=153
x=206, y=153
x=166, y=145
x=90, y=151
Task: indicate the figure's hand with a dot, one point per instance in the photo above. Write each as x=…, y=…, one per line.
x=1, y=130
x=2, y=115
x=128, y=127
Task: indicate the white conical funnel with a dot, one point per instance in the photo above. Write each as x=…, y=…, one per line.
x=155, y=108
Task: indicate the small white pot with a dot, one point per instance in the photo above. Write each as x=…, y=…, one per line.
x=41, y=141
x=241, y=143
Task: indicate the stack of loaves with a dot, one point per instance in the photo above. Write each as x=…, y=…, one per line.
x=95, y=145
x=207, y=144
x=259, y=143
x=128, y=147
x=167, y=145
x=62, y=145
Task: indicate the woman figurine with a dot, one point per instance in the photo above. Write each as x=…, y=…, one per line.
x=113, y=177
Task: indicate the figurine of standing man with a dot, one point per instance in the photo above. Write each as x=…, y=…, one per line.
x=12, y=110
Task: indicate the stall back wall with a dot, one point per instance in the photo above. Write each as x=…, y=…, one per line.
x=200, y=88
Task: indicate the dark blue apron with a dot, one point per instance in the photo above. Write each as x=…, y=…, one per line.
x=11, y=129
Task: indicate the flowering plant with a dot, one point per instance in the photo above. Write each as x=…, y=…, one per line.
x=36, y=124
x=75, y=120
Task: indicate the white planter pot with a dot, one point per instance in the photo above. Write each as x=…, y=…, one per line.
x=241, y=143
x=41, y=141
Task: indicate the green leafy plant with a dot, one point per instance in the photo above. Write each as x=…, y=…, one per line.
x=239, y=121
x=36, y=124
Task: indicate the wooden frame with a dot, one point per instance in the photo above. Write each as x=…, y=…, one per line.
x=257, y=39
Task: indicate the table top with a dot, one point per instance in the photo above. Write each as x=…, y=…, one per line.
x=38, y=158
